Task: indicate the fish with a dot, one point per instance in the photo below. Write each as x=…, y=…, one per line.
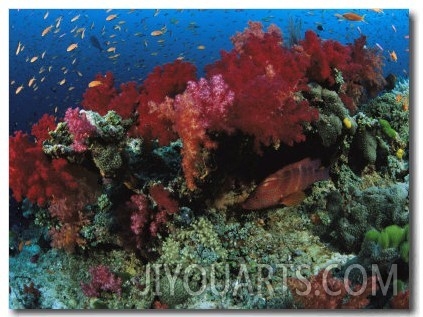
x=75, y=18
x=111, y=49
x=286, y=185
x=18, y=49
x=201, y=47
x=351, y=16
x=34, y=59
x=46, y=15
x=393, y=56
x=96, y=43
x=58, y=20
x=43, y=54
x=111, y=17
x=156, y=33
x=379, y=46
x=46, y=30
x=31, y=81
x=72, y=47
x=95, y=83
x=394, y=28
x=62, y=82
x=378, y=10
x=19, y=89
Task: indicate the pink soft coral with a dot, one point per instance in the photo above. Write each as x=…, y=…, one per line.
x=163, y=82
x=146, y=221
x=80, y=128
x=102, y=280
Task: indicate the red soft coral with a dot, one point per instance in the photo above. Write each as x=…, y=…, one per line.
x=164, y=81
x=41, y=129
x=67, y=237
x=401, y=300
x=323, y=291
x=98, y=98
x=162, y=198
x=126, y=101
x=33, y=175
x=265, y=77
x=361, y=68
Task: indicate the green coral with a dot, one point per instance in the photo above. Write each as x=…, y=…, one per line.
x=394, y=237
x=387, y=129
x=108, y=159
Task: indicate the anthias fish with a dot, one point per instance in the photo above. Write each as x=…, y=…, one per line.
x=286, y=185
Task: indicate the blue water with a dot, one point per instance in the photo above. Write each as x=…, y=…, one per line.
x=195, y=35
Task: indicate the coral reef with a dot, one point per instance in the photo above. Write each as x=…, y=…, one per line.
x=153, y=190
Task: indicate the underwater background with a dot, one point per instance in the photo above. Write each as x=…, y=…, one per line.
x=195, y=35
x=111, y=195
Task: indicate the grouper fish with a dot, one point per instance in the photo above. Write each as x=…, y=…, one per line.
x=286, y=185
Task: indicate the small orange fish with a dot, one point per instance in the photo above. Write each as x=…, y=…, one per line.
x=95, y=83
x=46, y=30
x=31, y=81
x=378, y=10
x=350, y=16
x=72, y=47
x=393, y=56
x=111, y=17
x=157, y=33
x=19, y=89
x=286, y=185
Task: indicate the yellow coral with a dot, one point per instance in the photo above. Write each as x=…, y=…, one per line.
x=347, y=123
x=400, y=153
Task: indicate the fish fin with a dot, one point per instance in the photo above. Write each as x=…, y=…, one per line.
x=293, y=199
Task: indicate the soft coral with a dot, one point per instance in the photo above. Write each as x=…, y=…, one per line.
x=163, y=82
x=265, y=77
x=33, y=175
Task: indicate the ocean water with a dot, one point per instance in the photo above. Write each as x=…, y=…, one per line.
x=137, y=52
x=231, y=192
